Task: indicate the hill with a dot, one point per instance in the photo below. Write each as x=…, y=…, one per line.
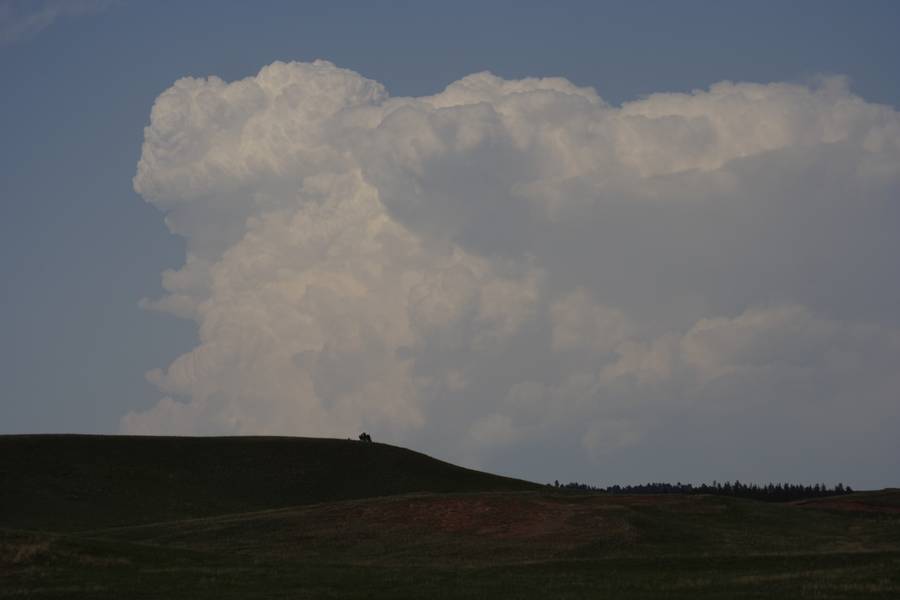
x=476, y=545
x=118, y=517
x=515, y=527
x=876, y=501
x=71, y=482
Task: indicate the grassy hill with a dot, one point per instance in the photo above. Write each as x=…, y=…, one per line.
x=114, y=517
x=71, y=482
x=516, y=527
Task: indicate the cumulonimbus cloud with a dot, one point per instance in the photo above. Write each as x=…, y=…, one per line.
x=508, y=264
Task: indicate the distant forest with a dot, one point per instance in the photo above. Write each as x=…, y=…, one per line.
x=772, y=492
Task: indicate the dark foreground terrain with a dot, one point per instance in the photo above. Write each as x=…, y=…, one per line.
x=117, y=517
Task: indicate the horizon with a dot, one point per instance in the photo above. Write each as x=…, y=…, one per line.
x=595, y=243
x=577, y=485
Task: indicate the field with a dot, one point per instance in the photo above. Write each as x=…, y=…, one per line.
x=116, y=517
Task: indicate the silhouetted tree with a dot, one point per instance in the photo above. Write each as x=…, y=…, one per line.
x=782, y=492
x=365, y=437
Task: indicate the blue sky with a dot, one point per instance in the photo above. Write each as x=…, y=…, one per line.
x=80, y=248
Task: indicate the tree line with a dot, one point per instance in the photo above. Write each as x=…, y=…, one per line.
x=771, y=492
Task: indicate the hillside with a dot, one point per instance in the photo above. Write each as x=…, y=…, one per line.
x=877, y=501
x=193, y=518
x=541, y=544
x=515, y=527
x=72, y=482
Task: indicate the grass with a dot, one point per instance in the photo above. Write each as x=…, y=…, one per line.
x=431, y=530
x=71, y=482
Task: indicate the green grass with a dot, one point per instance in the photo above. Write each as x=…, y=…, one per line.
x=70, y=482
x=427, y=529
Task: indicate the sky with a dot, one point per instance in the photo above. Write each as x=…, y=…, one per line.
x=606, y=242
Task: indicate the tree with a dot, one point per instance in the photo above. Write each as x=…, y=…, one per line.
x=365, y=437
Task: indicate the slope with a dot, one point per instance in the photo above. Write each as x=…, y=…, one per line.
x=72, y=482
x=475, y=545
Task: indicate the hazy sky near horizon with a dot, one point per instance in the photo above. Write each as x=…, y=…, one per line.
x=611, y=242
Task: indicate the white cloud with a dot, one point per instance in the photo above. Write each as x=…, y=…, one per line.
x=21, y=20
x=514, y=263
x=579, y=324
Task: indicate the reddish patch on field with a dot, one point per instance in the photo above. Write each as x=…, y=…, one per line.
x=848, y=505
x=554, y=519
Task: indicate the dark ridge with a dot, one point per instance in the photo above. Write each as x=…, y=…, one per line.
x=72, y=482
